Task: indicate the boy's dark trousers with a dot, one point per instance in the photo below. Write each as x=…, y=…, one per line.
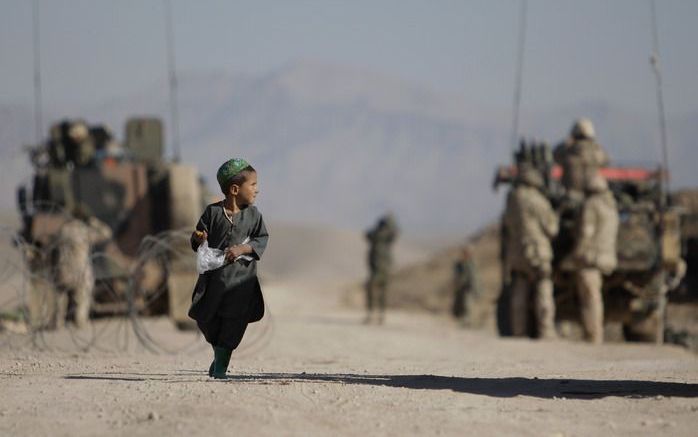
x=225, y=335
x=224, y=332
x=226, y=328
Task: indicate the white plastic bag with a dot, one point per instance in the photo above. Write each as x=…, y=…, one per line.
x=208, y=259
x=211, y=259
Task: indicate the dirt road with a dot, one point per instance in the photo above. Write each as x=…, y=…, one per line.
x=325, y=373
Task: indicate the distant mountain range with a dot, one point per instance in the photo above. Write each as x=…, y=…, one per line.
x=339, y=146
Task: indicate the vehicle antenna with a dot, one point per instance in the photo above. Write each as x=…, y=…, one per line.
x=172, y=71
x=654, y=61
x=518, y=80
x=38, y=122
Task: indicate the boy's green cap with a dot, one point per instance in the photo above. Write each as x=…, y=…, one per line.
x=230, y=169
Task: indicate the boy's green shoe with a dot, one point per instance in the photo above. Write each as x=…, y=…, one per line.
x=220, y=363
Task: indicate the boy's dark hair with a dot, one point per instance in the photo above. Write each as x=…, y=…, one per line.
x=238, y=179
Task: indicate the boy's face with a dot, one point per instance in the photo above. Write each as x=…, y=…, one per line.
x=247, y=192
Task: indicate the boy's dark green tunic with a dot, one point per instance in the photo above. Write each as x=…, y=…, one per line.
x=229, y=296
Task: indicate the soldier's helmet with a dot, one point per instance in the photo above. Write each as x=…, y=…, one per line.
x=583, y=128
x=78, y=132
x=387, y=220
x=528, y=175
x=595, y=183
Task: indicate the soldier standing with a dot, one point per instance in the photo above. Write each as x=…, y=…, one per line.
x=73, y=274
x=381, y=239
x=580, y=157
x=83, y=143
x=465, y=286
x=594, y=253
x=530, y=224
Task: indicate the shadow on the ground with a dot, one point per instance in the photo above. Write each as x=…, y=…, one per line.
x=495, y=387
x=133, y=377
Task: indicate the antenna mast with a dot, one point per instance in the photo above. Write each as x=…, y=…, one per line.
x=519, y=73
x=172, y=72
x=654, y=61
x=38, y=122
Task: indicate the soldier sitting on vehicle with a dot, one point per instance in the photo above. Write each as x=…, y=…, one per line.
x=72, y=266
x=530, y=224
x=594, y=253
x=580, y=157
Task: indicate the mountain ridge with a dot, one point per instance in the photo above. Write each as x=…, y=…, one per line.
x=338, y=145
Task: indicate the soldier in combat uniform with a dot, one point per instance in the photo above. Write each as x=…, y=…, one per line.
x=530, y=224
x=594, y=253
x=580, y=157
x=380, y=260
x=73, y=274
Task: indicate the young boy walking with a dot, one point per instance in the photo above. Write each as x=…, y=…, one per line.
x=226, y=299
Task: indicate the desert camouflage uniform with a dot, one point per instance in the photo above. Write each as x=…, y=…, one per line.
x=530, y=225
x=594, y=254
x=379, y=261
x=73, y=274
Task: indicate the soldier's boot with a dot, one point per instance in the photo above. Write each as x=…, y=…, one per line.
x=60, y=310
x=221, y=361
x=518, y=310
x=458, y=308
x=82, y=308
x=369, y=302
x=589, y=283
x=545, y=309
x=381, y=304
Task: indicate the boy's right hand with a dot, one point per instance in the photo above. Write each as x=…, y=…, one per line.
x=200, y=236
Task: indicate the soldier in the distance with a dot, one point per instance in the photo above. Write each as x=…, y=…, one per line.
x=380, y=260
x=465, y=287
x=530, y=224
x=72, y=265
x=594, y=253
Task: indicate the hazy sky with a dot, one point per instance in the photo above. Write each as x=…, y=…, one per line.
x=94, y=50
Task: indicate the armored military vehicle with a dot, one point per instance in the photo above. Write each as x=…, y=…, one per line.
x=134, y=190
x=648, y=247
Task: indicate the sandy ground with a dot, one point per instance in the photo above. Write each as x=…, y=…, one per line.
x=323, y=372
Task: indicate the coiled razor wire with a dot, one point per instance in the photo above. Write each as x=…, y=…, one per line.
x=32, y=313
x=28, y=301
x=12, y=277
